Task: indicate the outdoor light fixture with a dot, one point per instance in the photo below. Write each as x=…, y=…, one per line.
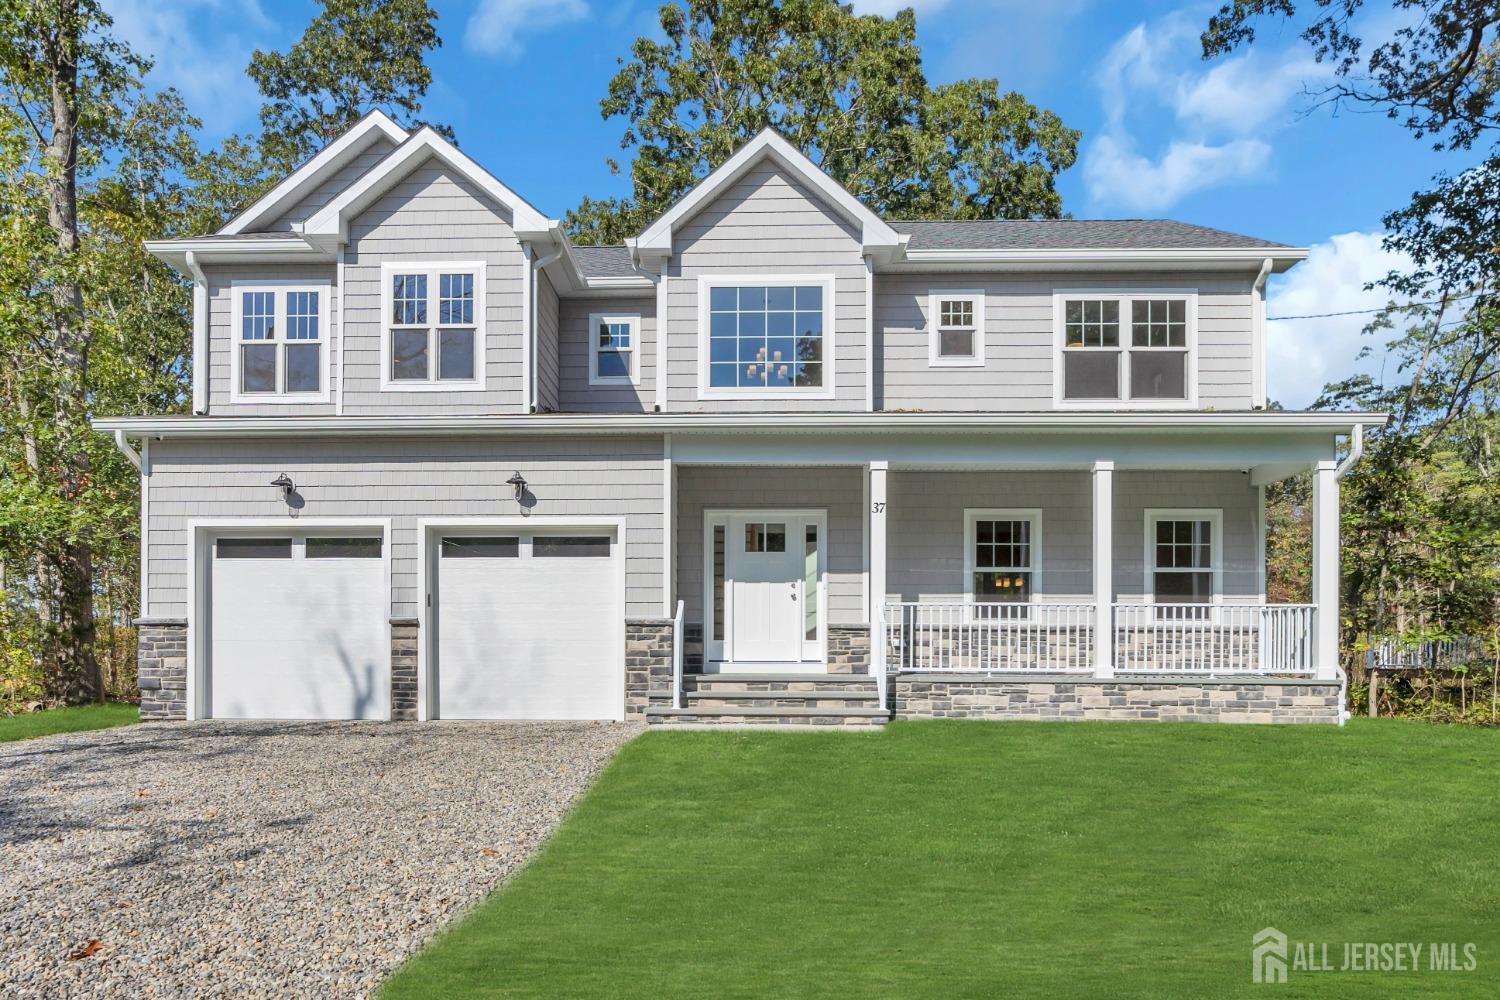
x=285, y=484
x=519, y=482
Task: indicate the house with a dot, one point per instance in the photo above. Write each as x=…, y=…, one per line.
x=774, y=460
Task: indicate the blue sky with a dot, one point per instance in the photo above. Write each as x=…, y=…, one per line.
x=1236, y=143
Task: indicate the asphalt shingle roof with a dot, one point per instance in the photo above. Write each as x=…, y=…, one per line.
x=605, y=262
x=1073, y=234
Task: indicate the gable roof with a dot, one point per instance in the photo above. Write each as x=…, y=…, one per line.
x=657, y=238
x=315, y=170
x=1074, y=234
x=332, y=221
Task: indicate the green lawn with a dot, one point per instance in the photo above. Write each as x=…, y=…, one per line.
x=992, y=859
x=66, y=720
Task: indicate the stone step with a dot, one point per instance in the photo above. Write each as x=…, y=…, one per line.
x=764, y=683
x=767, y=716
x=781, y=699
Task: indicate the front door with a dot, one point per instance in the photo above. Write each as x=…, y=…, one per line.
x=768, y=586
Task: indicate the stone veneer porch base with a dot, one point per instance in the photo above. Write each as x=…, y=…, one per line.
x=999, y=696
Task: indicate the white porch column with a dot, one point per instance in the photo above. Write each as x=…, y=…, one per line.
x=1104, y=569
x=877, y=516
x=1325, y=570
x=668, y=529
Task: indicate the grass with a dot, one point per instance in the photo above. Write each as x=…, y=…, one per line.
x=960, y=859
x=67, y=720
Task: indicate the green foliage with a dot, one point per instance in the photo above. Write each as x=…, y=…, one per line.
x=79, y=719
x=847, y=90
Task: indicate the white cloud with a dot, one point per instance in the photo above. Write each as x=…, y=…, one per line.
x=1116, y=174
x=1303, y=355
x=1245, y=93
x=201, y=47
x=496, y=26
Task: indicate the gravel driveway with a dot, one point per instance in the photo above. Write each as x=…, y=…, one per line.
x=265, y=859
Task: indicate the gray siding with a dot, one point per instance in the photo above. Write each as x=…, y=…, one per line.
x=335, y=185
x=433, y=215
x=1229, y=491
x=221, y=338
x=1019, y=339
x=768, y=222
x=404, y=479
x=840, y=491
x=547, y=394
x=573, y=348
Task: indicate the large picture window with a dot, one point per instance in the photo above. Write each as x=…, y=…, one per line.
x=1134, y=348
x=1003, y=562
x=767, y=336
x=280, y=343
x=434, y=326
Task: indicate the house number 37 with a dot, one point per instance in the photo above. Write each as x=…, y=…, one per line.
x=878, y=507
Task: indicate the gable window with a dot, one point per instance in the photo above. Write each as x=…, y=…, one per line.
x=1183, y=560
x=765, y=337
x=955, y=329
x=1126, y=348
x=280, y=334
x=1003, y=563
x=434, y=326
x=614, y=349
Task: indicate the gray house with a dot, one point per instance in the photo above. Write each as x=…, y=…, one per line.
x=774, y=460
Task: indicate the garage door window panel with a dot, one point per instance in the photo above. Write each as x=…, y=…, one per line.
x=481, y=547
x=319, y=547
x=253, y=548
x=570, y=547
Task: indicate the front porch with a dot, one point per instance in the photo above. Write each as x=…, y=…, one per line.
x=1050, y=588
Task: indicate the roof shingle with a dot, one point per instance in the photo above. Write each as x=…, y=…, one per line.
x=1074, y=234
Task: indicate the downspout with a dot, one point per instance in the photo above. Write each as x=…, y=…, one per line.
x=200, y=335
x=536, y=323
x=1356, y=451
x=1258, y=304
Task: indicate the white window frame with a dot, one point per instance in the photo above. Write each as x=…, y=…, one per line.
x=706, y=284
x=935, y=299
x=1215, y=517
x=1125, y=297
x=972, y=517
x=432, y=269
x=633, y=320
x=279, y=290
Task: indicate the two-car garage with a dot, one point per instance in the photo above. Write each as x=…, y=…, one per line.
x=516, y=621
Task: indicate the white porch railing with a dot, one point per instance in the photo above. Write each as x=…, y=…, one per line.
x=959, y=637
x=1213, y=639
x=677, y=643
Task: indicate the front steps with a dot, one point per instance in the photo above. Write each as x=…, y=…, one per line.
x=774, y=700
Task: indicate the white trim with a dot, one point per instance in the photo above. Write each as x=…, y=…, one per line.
x=972, y=516
x=1258, y=335
x=662, y=280
x=633, y=320
x=333, y=219
x=935, y=299
x=1124, y=296
x=338, y=386
x=1260, y=541
x=325, y=162
x=528, y=322
x=1102, y=518
x=870, y=367
x=874, y=230
x=1213, y=515
x=145, y=542
x=708, y=282
x=428, y=526
x=723, y=515
x=668, y=528
x=432, y=269
x=279, y=288
x=1134, y=255
x=202, y=344
x=200, y=530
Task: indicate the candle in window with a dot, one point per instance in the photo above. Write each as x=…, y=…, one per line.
x=781, y=372
x=776, y=356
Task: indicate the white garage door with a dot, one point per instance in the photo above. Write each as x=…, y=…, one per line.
x=529, y=626
x=298, y=628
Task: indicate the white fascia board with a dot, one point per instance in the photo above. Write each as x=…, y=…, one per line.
x=332, y=220
x=1283, y=258
x=212, y=250
x=1247, y=423
x=319, y=167
x=658, y=236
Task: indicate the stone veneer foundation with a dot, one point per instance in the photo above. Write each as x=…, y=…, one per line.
x=848, y=649
x=648, y=664
x=404, y=669
x=1242, y=699
x=161, y=667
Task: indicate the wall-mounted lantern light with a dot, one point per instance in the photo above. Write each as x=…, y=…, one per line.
x=519, y=482
x=284, y=483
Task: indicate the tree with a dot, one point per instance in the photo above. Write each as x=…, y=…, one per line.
x=847, y=90
x=354, y=56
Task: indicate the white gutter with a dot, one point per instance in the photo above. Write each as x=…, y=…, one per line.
x=200, y=334
x=1036, y=256
x=531, y=367
x=1258, y=334
x=1356, y=451
x=131, y=455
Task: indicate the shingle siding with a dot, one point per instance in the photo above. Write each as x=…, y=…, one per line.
x=221, y=341
x=576, y=394
x=334, y=186
x=548, y=394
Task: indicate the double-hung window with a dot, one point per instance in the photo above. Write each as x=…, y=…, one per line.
x=280, y=334
x=433, y=326
x=1183, y=560
x=1133, y=348
x=766, y=336
x=955, y=329
x=614, y=349
x=1003, y=562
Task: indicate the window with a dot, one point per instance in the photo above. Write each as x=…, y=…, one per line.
x=1003, y=562
x=1183, y=559
x=434, y=328
x=766, y=338
x=253, y=548
x=279, y=336
x=765, y=536
x=810, y=583
x=481, y=547
x=570, y=547
x=613, y=349
x=718, y=583
x=319, y=547
x=1126, y=348
x=955, y=329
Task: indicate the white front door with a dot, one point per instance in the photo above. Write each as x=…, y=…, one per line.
x=771, y=585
